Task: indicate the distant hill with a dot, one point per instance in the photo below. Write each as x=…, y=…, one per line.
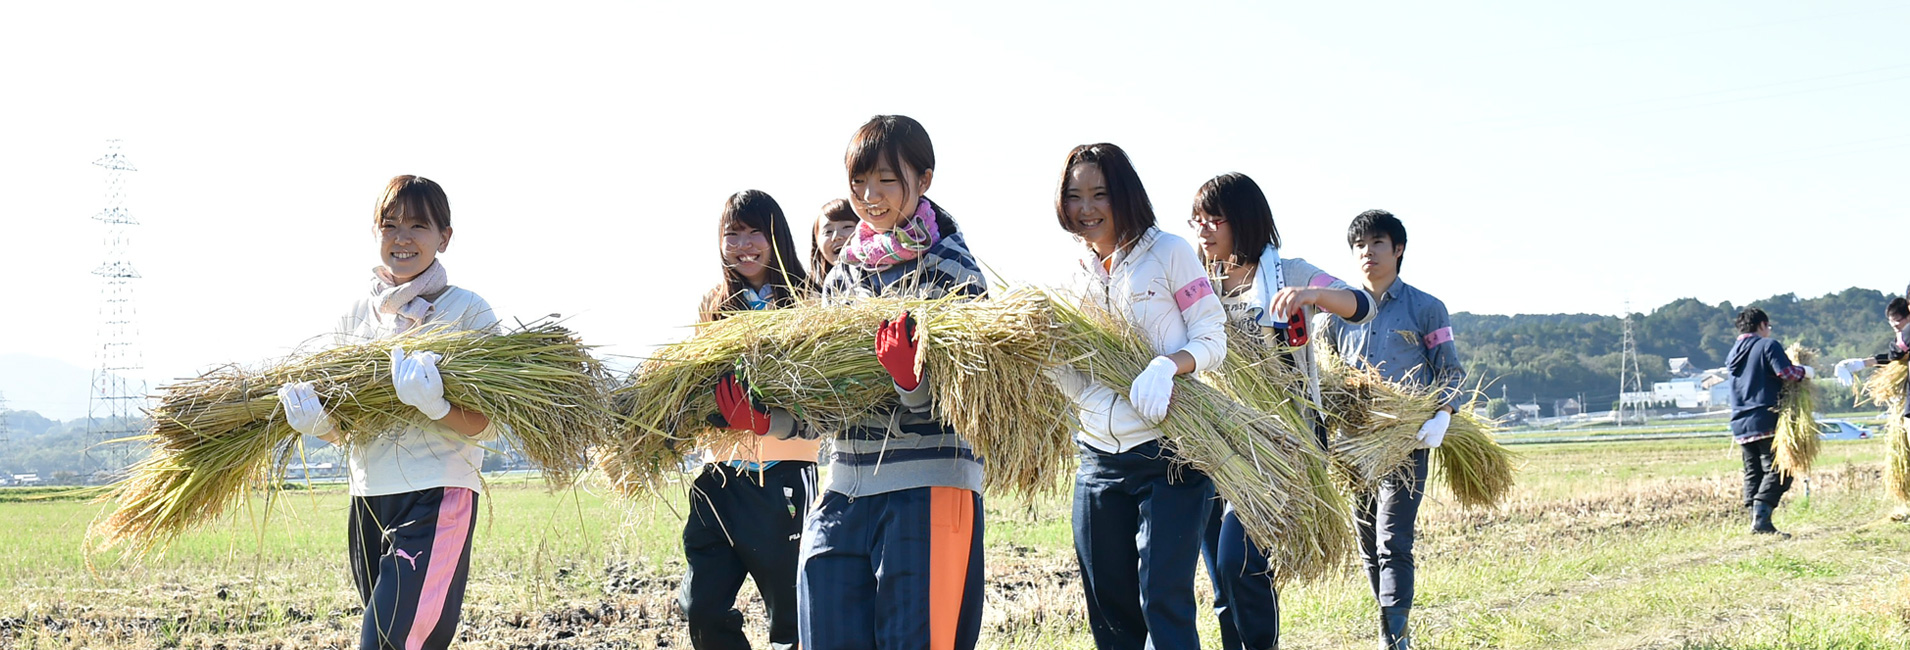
x=1556, y=356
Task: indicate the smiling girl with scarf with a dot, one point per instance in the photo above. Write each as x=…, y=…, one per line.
x=413, y=488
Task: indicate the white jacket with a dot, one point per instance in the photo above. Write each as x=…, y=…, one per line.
x=1157, y=285
x=423, y=454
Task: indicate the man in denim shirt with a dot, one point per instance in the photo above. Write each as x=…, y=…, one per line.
x=1409, y=341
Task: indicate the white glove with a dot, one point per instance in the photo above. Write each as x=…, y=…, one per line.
x=1154, y=388
x=1809, y=372
x=417, y=381
x=303, y=410
x=1847, y=370
x=1433, y=431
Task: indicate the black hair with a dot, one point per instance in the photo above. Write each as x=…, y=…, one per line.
x=1378, y=222
x=1235, y=198
x=787, y=280
x=899, y=138
x=1898, y=308
x=1133, y=213
x=1751, y=319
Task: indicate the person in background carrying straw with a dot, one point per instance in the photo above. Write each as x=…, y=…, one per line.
x=1138, y=514
x=892, y=554
x=1897, y=312
x=1409, y=341
x=1759, y=369
x=1271, y=299
x=413, y=489
x=748, y=503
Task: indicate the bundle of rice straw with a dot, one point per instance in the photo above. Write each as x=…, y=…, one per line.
x=218, y=436
x=1263, y=462
x=1471, y=462
x=1377, y=421
x=982, y=358
x=1257, y=373
x=1884, y=388
x=1797, y=438
x=1374, y=426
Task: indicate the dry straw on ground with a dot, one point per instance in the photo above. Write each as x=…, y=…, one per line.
x=220, y=436
x=982, y=358
x=1263, y=462
x=1797, y=438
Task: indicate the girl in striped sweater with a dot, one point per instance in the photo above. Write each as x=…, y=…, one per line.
x=748, y=503
x=892, y=555
x=413, y=488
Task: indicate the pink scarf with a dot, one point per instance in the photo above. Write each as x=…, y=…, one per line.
x=405, y=302
x=875, y=251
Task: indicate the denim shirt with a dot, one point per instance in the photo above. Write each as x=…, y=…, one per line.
x=1409, y=340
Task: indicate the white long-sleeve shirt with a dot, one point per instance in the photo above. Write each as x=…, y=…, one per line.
x=424, y=454
x=1159, y=287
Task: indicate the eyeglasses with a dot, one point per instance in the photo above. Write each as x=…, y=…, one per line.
x=1199, y=224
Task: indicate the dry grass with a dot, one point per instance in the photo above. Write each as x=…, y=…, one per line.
x=1797, y=440
x=218, y=436
x=983, y=359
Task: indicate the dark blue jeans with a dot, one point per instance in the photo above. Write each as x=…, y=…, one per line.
x=1245, y=599
x=1385, y=518
x=1138, y=525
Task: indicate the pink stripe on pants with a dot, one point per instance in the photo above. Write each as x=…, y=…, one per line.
x=447, y=551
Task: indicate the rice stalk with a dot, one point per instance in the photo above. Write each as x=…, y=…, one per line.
x=1797, y=440
x=221, y=435
x=1263, y=461
x=1885, y=384
x=1897, y=460
x=1471, y=462
x=1376, y=431
x=1373, y=424
x=983, y=360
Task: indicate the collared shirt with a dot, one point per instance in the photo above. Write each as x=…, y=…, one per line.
x=1409, y=340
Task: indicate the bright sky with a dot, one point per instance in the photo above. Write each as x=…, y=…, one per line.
x=1545, y=157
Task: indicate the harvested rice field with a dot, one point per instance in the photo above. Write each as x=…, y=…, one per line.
x=1600, y=545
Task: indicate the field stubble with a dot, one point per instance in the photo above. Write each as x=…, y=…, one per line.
x=1603, y=545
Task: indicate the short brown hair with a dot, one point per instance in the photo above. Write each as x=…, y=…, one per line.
x=413, y=197
x=899, y=138
x=1133, y=213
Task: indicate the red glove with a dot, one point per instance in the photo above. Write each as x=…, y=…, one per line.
x=739, y=411
x=895, y=348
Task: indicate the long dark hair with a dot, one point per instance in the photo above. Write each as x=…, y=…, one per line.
x=787, y=280
x=1127, y=199
x=1237, y=199
x=837, y=210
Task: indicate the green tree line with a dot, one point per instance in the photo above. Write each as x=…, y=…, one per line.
x=1556, y=356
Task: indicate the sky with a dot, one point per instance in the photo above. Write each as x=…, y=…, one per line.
x=1545, y=157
